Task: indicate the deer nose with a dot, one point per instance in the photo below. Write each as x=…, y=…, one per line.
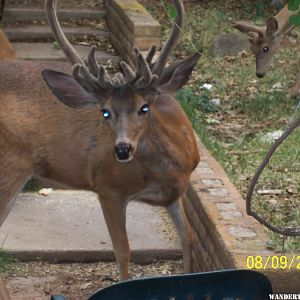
x=260, y=75
x=123, y=151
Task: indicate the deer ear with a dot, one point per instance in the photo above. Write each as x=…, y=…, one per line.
x=247, y=27
x=177, y=75
x=253, y=37
x=272, y=26
x=68, y=90
x=242, y=26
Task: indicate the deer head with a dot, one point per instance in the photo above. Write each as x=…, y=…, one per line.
x=125, y=99
x=264, y=40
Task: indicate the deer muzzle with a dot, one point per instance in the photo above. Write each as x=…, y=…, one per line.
x=123, y=152
x=260, y=75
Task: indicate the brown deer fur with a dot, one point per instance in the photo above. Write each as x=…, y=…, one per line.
x=7, y=52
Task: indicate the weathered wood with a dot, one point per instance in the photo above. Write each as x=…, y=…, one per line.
x=32, y=14
x=131, y=26
x=31, y=33
x=135, y=17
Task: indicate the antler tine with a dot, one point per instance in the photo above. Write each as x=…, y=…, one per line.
x=143, y=76
x=172, y=40
x=59, y=35
x=91, y=62
x=104, y=79
x=150, y=55
x=89, y=81
x=129, y=74
x=77, y=74
x=143, y=70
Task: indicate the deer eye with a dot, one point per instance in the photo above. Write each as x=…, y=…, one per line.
x=144, y=109
x=265, y=49
x=106, y=114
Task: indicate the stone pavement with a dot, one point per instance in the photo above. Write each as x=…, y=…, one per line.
x=32, y=38
x=46, y=51
x=68, y=226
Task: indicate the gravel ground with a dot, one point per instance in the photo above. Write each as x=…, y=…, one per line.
x=37, y=280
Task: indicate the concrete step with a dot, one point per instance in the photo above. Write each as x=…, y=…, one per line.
x=68, y=226
x=41, y=33
x=46, y=51
x=24, y=14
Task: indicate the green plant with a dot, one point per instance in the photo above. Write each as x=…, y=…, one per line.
x=56, y=45
x=6, y=261
x=294, y=5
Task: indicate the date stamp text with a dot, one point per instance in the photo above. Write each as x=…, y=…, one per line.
x=274, y=262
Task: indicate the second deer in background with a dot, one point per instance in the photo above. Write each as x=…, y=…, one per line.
x=266, y=40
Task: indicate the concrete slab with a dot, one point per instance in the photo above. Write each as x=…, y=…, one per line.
x=38, y=32
x=68, y=226
x=30, y=14
x=46, y=51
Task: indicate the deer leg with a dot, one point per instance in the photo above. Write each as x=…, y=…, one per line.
x=14, y=173
x=115, y=217
x=184, y=231
x=4, y=295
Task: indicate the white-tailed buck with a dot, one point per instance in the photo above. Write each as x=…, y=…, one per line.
x=124, y=136
x=266, y=40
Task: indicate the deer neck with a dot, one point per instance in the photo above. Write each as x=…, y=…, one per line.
x=169, y=135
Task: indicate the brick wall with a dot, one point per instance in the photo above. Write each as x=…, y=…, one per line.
x=224, y=234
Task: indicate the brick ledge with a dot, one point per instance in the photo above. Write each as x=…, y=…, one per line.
x=224, y=234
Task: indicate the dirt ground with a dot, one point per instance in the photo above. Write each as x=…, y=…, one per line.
x=38, y=280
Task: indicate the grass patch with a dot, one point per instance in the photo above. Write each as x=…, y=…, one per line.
x=7, y=262
x=196, y=107
x=240, y=161
x=32, y=186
